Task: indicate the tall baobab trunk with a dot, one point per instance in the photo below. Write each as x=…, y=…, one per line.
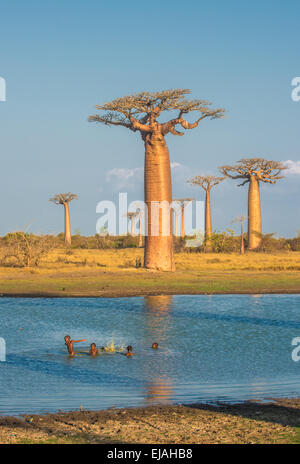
x=67, y=224
x=158, y=188
x=182, y=222
x=208, y=231
x=254, y=214
x=132, y=226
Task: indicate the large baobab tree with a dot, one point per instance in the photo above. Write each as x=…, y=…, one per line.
x=64, y=199
x=140, y=113
x=207, y=183
x=254, y=171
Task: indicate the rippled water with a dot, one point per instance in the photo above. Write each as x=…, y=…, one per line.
x=211, y=348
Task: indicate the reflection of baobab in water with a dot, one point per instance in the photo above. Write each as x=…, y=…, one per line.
x=207, y=183
x=64, y=199
x=140, y=113
x=158, y=385
x=158, y=304
x=254, y=171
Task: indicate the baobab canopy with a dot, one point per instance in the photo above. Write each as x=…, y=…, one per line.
x=263, y=170
x=141, y=111
x=62, y=198
x=206, y=182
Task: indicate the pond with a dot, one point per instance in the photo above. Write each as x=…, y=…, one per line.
x=211, y=348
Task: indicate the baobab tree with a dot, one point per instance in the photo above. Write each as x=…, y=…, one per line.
x=177, y=209
x=254, y=171
x=64, y=199
x=140, y=113
x=207, y=183
x=182, y=203
x=140, y=212
x=132, y=216
x=241, y=220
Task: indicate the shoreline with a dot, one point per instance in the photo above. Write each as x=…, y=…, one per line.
x=142, y=294
x=275, y=421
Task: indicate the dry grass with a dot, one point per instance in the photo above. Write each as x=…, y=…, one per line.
x=116, y=273
x=114, y=260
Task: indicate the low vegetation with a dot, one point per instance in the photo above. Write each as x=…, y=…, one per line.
x=20, y=249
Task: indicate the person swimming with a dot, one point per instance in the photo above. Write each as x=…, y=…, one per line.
x=129, y=351
x=155, y=345
x=93, y=351
x=69, y=344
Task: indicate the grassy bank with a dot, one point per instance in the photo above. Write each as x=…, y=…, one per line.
x=276, y=423
x=114, y=273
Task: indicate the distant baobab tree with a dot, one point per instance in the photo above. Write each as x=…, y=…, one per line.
x=207, y=183
x=241, y=220
x=132, y=216
x=140, y=212
x=254, y=171
x=140, y=113
x=64, y=199
x=182, y=203
x=177, y=209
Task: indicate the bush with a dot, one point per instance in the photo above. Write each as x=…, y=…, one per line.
x=25, y=250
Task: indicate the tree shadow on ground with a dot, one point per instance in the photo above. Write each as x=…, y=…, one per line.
x=285, y=412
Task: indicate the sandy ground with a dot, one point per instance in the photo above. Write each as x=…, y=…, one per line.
x=246, y=423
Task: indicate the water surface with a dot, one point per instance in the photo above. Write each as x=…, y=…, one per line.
x=211, y=348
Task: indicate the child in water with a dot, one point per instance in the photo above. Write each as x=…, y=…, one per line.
x=69, y=344
x=93, y=351
x=129, y=351
x=155, y=345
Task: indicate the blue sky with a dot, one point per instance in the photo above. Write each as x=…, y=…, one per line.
x=59, y=59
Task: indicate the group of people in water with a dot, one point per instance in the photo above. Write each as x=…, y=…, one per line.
x=94, y=351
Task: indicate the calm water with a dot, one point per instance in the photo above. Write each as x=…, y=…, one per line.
x=211, y=348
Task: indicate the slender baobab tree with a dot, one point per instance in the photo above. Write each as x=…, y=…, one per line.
x=140, y=113
x=182, y=203
x=140, y=212
x=241, y=220
x=254, y=171
x=177, y=209
x=132, y=216
x=207, y=183
x=64, y=199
